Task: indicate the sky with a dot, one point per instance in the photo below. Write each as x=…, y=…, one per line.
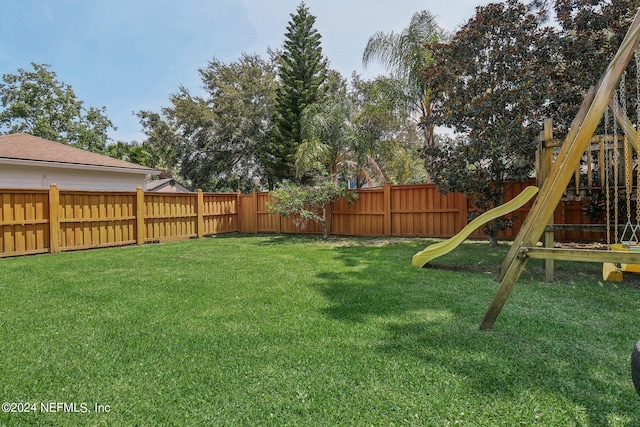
x=131, y=55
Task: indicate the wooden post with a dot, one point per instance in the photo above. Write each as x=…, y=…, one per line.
x=239, y=210
x=140, y=208
x=54, y=219
x=548, y=161
x=200, y=212
x=574, y=146
x=601, y=161
x=329, y=218
x=254, y=219
x=548, y=263
x=387, y=209
x=463, y=211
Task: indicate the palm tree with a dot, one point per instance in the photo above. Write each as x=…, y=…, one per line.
x=331, y=143
x=405, y=58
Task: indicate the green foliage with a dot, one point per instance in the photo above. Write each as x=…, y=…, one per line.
x=162, y=144
x=302, y=75
x=588, y=36
x=35, y=102
x=212, y=139
x=404, y=55
x=327, y=137
x=352, y=134
x=308, y=202
x=385, y=136
x=492, y=81
x=133, y=152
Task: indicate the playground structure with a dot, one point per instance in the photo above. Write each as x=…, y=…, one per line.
x=560, y=173
x=575, y=157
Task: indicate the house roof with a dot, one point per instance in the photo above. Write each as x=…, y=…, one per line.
x=159, y=184
x=22, y=147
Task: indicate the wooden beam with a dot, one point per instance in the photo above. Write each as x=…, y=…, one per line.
x=551, y=192
x=584, y=255
x=591, y=228
x=548, y=262
x=625, y=123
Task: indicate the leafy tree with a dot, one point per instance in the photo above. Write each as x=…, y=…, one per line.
x=327, y=137
x=302, y=75
x=589, y=34
x=308, y=203
x=384, y=136
x=350, y=135
x=493, y=79
x=133, y=152
x=212, y=139
x=35, y=102
x=163, y=144
x=404, y=55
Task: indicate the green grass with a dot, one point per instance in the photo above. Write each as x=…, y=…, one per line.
x=275, y=330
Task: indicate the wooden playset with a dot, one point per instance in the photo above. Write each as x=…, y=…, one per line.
x=567, y=161
x=607, y=160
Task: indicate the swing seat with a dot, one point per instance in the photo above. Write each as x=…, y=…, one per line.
x=611, y=273
x=630, y=268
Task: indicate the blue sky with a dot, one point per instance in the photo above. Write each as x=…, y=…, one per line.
x=130, y=55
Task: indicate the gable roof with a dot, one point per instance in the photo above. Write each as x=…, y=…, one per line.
x=159, y=184
x=25, y=148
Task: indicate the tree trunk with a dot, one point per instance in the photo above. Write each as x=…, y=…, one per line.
x=493, y=237
x=428, y=129
x=324, y=223
x=428, y=143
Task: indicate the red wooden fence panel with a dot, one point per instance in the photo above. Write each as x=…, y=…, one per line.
x=364, y=217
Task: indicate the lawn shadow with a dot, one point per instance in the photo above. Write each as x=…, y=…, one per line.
x=529, y=352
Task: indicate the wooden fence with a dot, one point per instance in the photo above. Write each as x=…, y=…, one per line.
x=54, y=220
x=43, y=221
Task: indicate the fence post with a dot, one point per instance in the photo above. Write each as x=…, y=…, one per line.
x=387, y=209
x=330, y=216
x=238, y=210
x=463, y=211
x=255, y=212
x=140, y=231
x=200, y=213
x=54, y=219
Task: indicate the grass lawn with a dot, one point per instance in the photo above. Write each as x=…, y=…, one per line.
x=275, y=330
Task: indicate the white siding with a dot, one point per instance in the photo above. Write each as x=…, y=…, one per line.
x=21, y=176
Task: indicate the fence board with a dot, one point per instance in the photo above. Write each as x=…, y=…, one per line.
x=364, y=217
x=247, y=213
x=220, y=213
x=24, y=219
x=170, y=216
x=267, y=221
x=90, y=220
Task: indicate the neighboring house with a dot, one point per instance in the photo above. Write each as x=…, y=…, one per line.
x=168, y=185
x=27, y=161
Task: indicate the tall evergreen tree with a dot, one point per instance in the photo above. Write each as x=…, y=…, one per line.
x=302, y=74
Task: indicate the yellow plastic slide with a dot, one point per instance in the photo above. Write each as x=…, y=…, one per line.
x=441, y=248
